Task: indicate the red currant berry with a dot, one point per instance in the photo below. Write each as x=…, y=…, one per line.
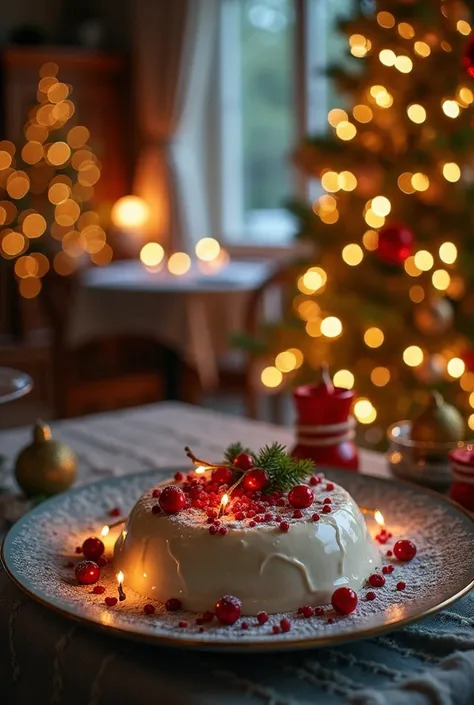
x=115, y=512
x=156, y=493
x=327, y=500
x=315, y=517
x=404, y=550
x=344, y=600
x=284, y=526
x=329, y=486
x=297, y=514
x=212, y=530
x=178, y=476
x=330, y=620
x=300, y=497
x=98, y=589
x=87, y=572
x=110, y=601
x=276, y=629
x=390, y=568
x=307, y=611
x=222, y=476
x=385, y=570
x=326, y=509
x=173, y=604
x=262, y=617
x=228, y=609
x=78, y=549
x=285, y=625
x=389, y=554
x=182, y=625
x=244, y=461
x=252, y=524
x=255, y=480
x=370, y=595
x=172, y=499
x=401, y=585
x=148, y=609
x=223, y=530
x=376, y=580
x=318, y=611
x=93, y=548
x=314, y=480
x=244, y=625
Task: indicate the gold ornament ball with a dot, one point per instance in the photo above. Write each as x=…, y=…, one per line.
x=438, y=422
x=46, y=466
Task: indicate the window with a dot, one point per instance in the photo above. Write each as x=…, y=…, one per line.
x=272, y=90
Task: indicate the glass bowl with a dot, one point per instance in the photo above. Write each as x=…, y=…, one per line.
x=13, y=384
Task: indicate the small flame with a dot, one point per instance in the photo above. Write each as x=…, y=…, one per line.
x=200, y=470
x=378, y=516
x=105, y=530
x=225, y=500
x=120, y=577
x=124, y=534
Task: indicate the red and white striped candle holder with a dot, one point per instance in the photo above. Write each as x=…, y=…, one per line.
x=462, y=486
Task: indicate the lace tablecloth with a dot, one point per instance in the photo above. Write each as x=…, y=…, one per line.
x=45, y=658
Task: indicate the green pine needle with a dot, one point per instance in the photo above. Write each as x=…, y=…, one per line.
x=234, y=450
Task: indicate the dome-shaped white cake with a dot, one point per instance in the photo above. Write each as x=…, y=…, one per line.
x=273, y=558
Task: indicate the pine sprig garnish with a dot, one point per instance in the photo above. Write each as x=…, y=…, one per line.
x=234, y=450
x=284, y=472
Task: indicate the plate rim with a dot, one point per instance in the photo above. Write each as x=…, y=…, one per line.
x=236, y=645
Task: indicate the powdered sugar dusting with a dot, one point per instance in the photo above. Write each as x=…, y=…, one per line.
x=42, y=543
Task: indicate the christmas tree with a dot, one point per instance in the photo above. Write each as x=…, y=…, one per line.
x=45, y=189
x=387, y=297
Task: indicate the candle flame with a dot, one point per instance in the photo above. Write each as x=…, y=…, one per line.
x=105, y=530
x=124, y=534
x=378, y=516
x=225, y=500
x=120, y=577
x=200, y=470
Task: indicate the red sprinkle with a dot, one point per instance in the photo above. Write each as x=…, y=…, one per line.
x=307, y=611
x=390, y=568
x=401, y=585
x=284, y=526
x=252, y=523
x=98, y=589
x=223, y=530
x=297, y=514
x=389, y=554
x=115, y=512
x=327, y=500
x=314, y=480
x=376, y=580
x=318, y=611
x=244, y=625
x=178, y=476
x=183, y=625
x=370, y=595
x=329, y=486
x=173, y=604
x=156, y=493
x=330, y=620
x=262, y=617
x=110, y=601
x=149, y=609
x=276, y=629
x=212, y=529
x=285, y=625
x=327, y=509
x=315, y=517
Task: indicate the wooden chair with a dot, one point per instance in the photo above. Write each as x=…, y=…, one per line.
x=101, y=375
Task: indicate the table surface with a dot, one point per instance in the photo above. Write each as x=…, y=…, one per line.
x=57, y=661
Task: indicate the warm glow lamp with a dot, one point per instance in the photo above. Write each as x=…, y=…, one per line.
x=130, y=213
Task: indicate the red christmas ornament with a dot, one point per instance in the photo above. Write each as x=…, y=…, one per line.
x=172, y=499
x=87, y=572
x=222, y=476
x=344, y=600
x=93, y=548
x=244, y=461
x=255, y=480
x=468, y=57
x=404, y=550
x=301, y=497
x=228, y=609
x=395, y=244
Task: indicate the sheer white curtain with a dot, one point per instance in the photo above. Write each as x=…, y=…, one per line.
x=174, y=44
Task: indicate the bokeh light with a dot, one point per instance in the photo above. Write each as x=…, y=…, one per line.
x=404, y=64
x=373, y=337
x=58, y=153
x=77, y=136
x=343, y=378
x=298, y=356
x=441, y=279
x=67, y=213
x=364, y=411
x=362, y=113
x=352, y=254
x=271, y=377
x=416, y=113
x=450, y=108
x=347, y=181
x=34, y=225
x=463, y=27
x=330, y=181
x=451, y=172
x=404, y=182
x=381, y=205
x=420, y=182
x=13, y=243
x=456, y=367
x=370, y=240
x=336, y=116
x=18, y=185
x=151, y=254
x=179, y=263
x=58, y=193
x=207, y=249
x=411, y=268
x=331, y=327
x=32, y=152
x=422, y=49
x=413, y=356
x=346, y=130
x=386, y=19
x=387, y=57
x=29, y=288
x=286, y=361
x=405, y=30
x=380, y=376
x=448, y=252
x=424, y=260
x=130, y=212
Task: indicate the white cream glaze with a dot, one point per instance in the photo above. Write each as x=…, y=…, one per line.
x=165, y=556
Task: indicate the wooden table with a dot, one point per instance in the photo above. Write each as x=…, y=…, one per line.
x=45, y=658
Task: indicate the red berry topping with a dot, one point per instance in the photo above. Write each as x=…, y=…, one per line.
x=156, y=493
x=389, y=554
x=262, y=617
x=252, y=524
x=297, y=514
x=222, y=476
x=110, y=601
x=285, y=625
x=182, y=625
x=344, y=600
x=149, y=609
x=228, y=609
x=87, y=572
x=173, y=604
x=98, y=589
x=329, y=486
x=307, y=611
x=315, y=517
x=255, y=480
x=93, y=548
x=223, y=530
x=172, y=499
x=401, y=585
x=244, y=461
x=330, y=620
x=314, y=480
x=327, y=500
x=276, y=629
x=178, y=476
x=284, y=526
x=318, y=611
x=390, y=568
x=115, y=512
x=376, y=580
x=370, y=595
x=212, y=530
x=326, y=509
x=78, y=549
x=244, y=625
x=404, y=550
x=385, y=570
x=301, y=497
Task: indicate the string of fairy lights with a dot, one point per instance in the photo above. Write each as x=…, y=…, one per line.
x=376, y=210
x=48, y=184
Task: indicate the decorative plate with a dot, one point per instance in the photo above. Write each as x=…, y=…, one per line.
x=39, y=550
